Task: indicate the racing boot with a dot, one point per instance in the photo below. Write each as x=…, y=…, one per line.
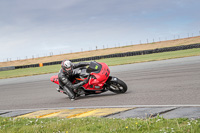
x=70, y=93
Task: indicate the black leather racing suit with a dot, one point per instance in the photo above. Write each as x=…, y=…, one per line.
x=65, y=80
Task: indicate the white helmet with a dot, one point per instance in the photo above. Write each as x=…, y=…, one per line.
x=67, y=66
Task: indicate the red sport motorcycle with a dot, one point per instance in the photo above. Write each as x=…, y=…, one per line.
x=99, y=80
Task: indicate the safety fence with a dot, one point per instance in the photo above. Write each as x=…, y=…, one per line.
x=7, y=68
x=134, y=53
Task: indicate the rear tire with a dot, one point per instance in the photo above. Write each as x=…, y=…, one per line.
x=118, y=86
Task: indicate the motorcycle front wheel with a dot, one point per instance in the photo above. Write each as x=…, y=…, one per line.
x=118, y=86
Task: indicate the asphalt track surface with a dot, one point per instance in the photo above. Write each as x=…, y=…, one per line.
x=167, y=82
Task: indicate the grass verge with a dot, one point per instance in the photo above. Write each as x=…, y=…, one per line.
x=109, y=61
x=98, y=125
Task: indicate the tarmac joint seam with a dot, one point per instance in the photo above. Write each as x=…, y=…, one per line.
x=5, y=112
x=118, y=112
x=162, y=112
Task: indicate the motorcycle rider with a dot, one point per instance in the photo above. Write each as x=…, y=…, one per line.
x=66, y=76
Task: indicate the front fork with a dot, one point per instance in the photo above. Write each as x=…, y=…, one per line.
x=108, y=82
x=111, y=79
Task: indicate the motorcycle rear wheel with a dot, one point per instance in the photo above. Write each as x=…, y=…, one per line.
x=118, y=86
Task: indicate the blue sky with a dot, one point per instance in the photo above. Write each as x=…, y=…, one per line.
x=39, y=27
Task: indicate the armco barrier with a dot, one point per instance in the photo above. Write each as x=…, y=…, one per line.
x=134, y=53
x=27, y=66
x=7, y=68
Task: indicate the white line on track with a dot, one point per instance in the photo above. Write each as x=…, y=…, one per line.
x=122, y=106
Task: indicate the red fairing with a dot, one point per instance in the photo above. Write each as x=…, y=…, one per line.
x=55, y=79
x=100, y=80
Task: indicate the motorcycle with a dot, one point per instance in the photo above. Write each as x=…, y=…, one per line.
x=99, y=80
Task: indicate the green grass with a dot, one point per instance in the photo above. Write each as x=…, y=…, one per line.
x=29, y=71
x=98, y=125
x=151, y=57
x=109, y=61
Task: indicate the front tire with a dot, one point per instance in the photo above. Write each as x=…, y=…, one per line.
x=118, y=86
